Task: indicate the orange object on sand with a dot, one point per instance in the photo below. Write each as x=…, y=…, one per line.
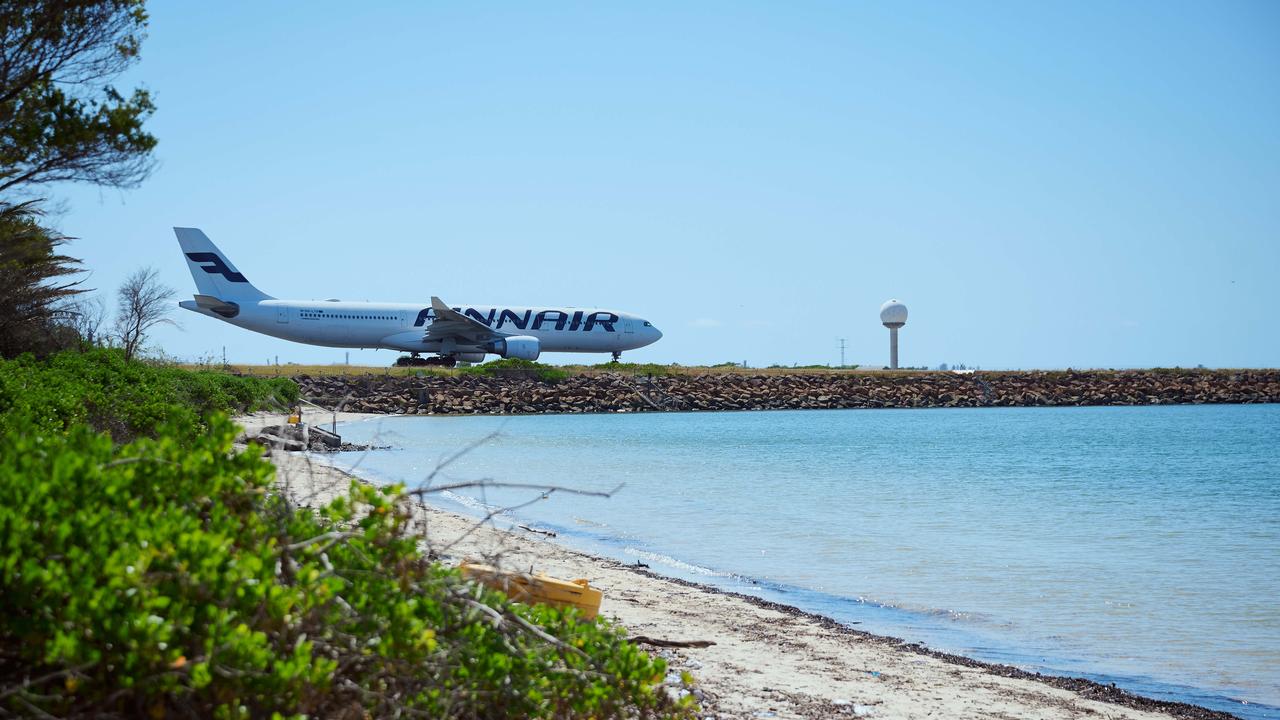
x=540, y=588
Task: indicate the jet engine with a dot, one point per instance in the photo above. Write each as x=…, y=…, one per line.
x=469, y=357
x=524, y=347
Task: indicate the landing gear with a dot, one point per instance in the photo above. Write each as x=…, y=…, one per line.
x=414, y=360
x=617, y=355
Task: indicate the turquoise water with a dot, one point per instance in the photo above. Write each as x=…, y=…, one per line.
x=1136, y=545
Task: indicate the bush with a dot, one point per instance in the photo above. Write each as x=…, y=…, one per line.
x=124, y=398
x=512, y=367
x=161, y=577
x=635, y=368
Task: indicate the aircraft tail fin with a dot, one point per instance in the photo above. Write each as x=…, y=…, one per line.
x=214, y=273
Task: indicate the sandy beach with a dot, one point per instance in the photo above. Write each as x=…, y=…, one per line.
x=767, y=660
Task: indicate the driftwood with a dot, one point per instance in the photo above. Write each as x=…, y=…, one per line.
x=658, y=642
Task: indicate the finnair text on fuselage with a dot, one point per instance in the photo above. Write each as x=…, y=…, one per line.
x=499, y=318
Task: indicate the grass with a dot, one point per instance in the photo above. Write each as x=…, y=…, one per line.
x=643, y=369
x=292, y=369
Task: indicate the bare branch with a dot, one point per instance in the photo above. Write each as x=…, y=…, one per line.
x=142, y=303
x=523, y=486
x=133, y=460
x=331, y=538
x=464, y=450
x=499, y=618
x=85, y=315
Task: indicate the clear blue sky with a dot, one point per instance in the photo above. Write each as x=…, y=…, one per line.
x=1050, y=184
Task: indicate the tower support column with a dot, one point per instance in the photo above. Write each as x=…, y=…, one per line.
x=893, y=348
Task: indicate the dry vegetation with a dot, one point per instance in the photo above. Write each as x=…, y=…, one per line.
x=340, y=370
x=291, y=369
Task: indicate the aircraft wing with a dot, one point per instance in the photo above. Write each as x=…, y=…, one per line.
x=452, y=324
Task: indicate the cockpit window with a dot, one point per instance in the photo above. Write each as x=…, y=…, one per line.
x=647, y=324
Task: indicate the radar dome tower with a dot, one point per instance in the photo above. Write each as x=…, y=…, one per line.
x=893, y=315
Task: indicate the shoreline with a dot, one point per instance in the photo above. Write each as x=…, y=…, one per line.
x=1091, y=688
x=770, y=659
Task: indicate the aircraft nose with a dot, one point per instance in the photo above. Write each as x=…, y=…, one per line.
x=657, y=334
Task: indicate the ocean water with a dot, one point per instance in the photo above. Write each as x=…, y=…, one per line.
x=1135, y=545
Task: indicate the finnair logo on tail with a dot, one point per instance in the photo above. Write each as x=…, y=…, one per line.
x=215, y=266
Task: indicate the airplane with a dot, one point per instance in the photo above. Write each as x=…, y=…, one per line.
x=449, y=334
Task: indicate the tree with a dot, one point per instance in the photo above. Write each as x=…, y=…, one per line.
x=60, y=120
x=85, y=316
x=34, y=281
x=142, y=303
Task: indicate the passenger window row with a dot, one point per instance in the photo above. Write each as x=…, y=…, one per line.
x=341, y=316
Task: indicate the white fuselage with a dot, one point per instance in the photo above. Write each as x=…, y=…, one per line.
x=403, y=326
x=454, y=333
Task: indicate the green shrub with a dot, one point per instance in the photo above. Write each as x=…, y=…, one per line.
x=513, y=367
x=161, y=577
x=125, y=398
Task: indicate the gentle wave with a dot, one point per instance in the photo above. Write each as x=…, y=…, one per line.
x=660, y=559
x=475, y=504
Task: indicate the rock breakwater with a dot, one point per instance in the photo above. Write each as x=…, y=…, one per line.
x=466, y=394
